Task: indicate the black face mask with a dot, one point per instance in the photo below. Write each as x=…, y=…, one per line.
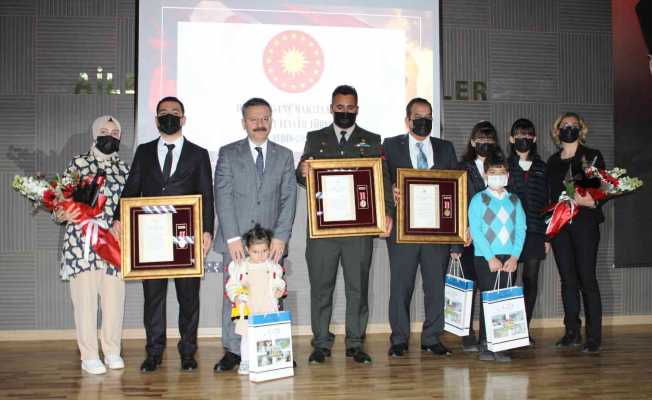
x=569, y=134
x=169, y=124
x=107, y=144
x=344, y=120
x=422, y=126
x=523, y=144
x=483, y=149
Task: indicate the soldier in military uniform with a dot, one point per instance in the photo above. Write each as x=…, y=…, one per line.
x=342, y=139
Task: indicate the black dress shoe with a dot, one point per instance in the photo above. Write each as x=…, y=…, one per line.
x=188, y=364
x=227, y=363
x=570, y=339
x=318, y=356
x=470, y=343
x=397, y=350
x=150, y=364
x=437, y=349
x=358, y=355
x=591, y=347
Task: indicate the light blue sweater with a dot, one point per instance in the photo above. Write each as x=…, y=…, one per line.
x=497, y=224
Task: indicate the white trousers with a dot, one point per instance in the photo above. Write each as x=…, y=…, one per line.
x=244, y=348
x=84, y=291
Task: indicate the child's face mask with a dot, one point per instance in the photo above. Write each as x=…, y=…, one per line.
x=497, y=182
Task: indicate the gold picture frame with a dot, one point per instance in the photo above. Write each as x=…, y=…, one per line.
x=450, y=210
x=155, y=216
x=363, y=203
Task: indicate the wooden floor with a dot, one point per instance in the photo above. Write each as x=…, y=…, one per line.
x=50, y=370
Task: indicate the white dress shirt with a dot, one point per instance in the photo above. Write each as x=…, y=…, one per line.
x=338, y=132
x=254, y=152
x=163, y=151
x=426, y=148
x=479, y=164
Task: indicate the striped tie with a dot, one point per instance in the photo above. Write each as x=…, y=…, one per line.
x=422, y=161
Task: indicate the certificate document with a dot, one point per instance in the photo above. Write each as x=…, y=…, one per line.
x=155, y=242
x=424, y=206
x=338, y=198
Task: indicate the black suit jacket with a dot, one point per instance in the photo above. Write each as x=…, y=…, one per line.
x=397, y=155
x=324, y=143
x=192, y=176
x=475, y=181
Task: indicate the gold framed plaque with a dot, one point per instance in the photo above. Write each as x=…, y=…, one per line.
x=345, y=197
x=161, y=237
x=432, y=206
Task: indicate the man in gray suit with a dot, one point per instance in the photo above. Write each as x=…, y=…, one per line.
x=417, y=149
x=254, y=184
x=342, y=139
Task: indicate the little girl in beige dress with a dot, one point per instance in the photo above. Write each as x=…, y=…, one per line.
x=255, y=284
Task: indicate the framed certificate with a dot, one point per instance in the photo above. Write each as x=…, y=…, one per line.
x=345, y=197
x=161, y=237
x=432, y=206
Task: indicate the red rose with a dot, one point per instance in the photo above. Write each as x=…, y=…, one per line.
x=49, y=199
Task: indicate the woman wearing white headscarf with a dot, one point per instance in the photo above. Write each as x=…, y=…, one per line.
x=92, y=276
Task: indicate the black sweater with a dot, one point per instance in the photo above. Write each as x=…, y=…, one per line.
x=558, y=169
x=531, y=187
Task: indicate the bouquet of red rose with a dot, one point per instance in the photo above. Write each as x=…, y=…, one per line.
x=71, y=193
x=601, y=184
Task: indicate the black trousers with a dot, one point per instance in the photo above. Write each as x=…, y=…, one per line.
x=576, y=253
x=486, y=282
x=155, y=291
x=530, y=274
x=404, y=261
x=468, y=267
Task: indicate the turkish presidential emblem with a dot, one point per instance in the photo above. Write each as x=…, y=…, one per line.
x=293, y=61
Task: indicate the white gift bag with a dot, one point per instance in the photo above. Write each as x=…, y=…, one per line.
x=458, y=298
x=270, y=346
x=505, y=320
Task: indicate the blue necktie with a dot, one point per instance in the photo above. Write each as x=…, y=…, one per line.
x=422, y=161
x=260, y=163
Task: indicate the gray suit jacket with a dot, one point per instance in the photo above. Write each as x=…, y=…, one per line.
x=241, y=200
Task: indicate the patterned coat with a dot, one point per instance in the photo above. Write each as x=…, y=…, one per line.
x=72, y=256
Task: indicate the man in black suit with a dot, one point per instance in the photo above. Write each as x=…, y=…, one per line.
x=342, y=139
x=418, y=150
x=172, y=165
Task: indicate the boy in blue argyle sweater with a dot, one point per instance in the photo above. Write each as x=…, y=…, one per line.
x=497, y=224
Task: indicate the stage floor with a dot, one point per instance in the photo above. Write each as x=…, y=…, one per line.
x=40, y=370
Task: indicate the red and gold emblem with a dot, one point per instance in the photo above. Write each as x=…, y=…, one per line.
x=293, y=61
